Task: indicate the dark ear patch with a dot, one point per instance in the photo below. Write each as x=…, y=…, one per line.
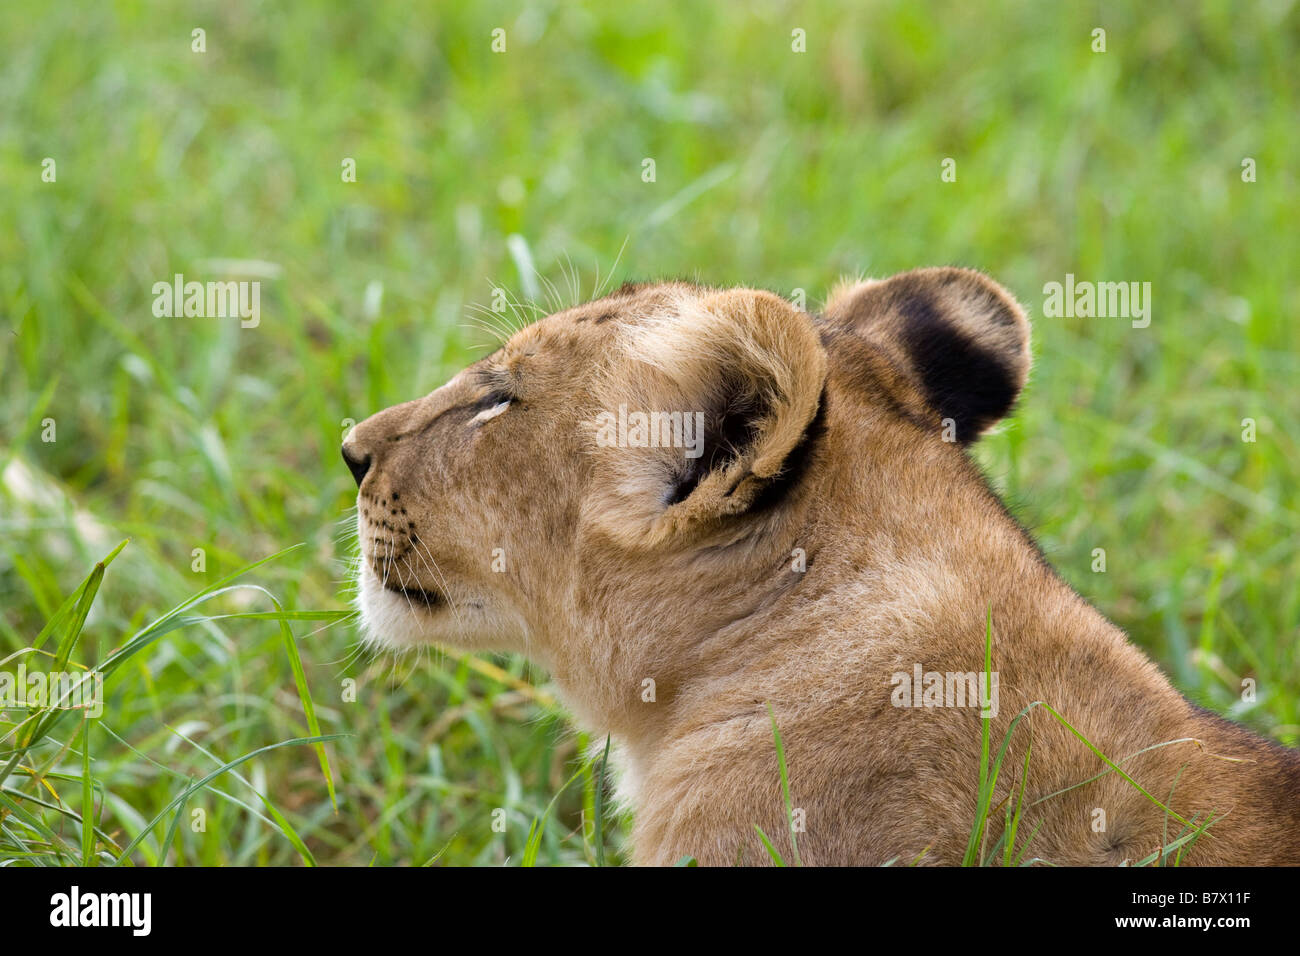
x=960, y=379
x=729, y=427
x=963, y=340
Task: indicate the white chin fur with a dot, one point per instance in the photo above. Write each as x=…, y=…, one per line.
x=388, y=620
x=391, y=622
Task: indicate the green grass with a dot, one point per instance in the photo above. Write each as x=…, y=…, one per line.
x=979, y=853
x=772, y=168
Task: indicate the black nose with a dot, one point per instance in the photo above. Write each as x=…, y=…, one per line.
x=357, y=464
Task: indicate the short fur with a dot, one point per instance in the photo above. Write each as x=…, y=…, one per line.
x=840, y=438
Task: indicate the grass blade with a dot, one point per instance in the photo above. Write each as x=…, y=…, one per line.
x=308, y=707
x=785, y=787
x=538, y=827
x=87, y=799
x=767, y=844
x=599, y=816
x=204, y=781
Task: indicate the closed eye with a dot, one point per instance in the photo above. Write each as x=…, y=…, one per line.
x=496, y=404
x=498, y=394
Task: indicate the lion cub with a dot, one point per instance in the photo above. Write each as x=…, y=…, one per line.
x=691, y=504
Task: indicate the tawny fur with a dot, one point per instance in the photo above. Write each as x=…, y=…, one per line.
x=527, y=535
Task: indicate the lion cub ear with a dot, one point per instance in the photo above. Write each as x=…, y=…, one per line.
x=701, y=411
x=961, y=336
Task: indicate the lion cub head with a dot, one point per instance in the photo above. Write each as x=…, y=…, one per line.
x=627, y=471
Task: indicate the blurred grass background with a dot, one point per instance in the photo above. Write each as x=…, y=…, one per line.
x=772, y=168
